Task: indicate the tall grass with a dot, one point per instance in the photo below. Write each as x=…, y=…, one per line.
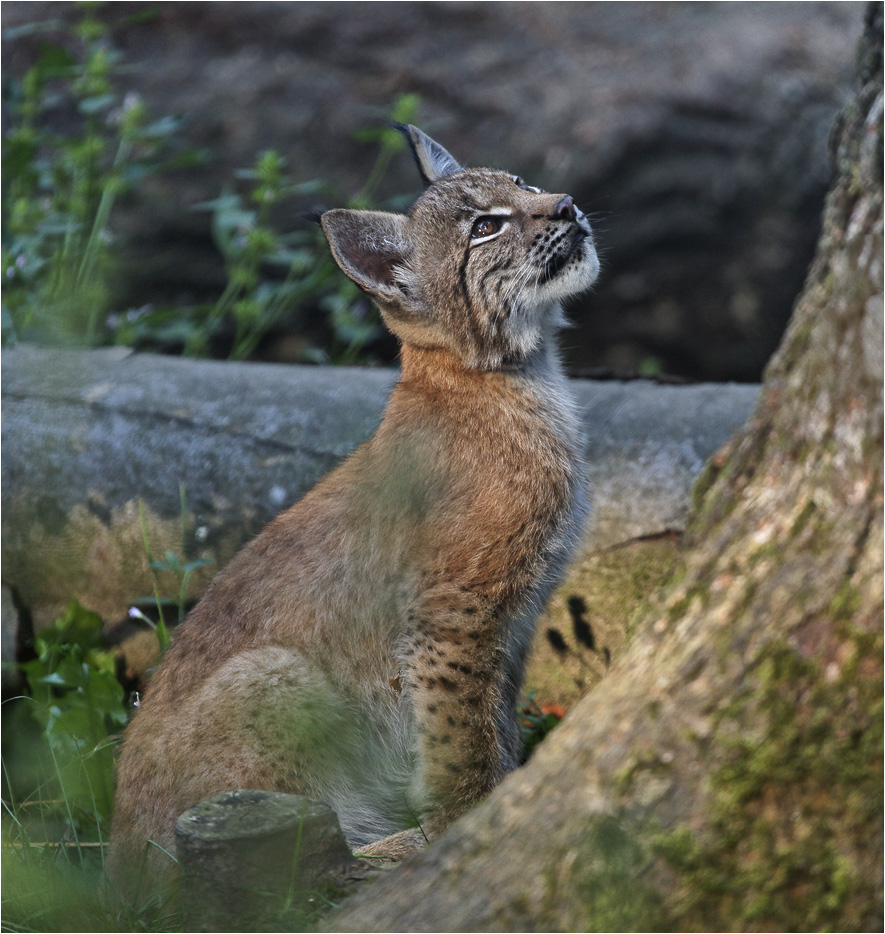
x=63, y=179
x=58, y=787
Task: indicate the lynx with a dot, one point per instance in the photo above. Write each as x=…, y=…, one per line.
x=368, y=647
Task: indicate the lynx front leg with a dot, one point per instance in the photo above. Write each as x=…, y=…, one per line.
x=468, y=737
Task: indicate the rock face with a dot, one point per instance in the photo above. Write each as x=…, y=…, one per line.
x=697, y=134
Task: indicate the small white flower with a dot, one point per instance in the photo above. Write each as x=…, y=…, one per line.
x=135, y=613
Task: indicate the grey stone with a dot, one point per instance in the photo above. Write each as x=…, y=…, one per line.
x=645, y=444
x=88, y=435
x=247, y=858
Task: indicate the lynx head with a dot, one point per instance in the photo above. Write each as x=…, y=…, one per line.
x=479, y=264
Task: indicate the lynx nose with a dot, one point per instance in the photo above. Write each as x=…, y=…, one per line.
x=566, y=209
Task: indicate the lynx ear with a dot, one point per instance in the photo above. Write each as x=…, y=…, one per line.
x=434, y=162
x=368, y=245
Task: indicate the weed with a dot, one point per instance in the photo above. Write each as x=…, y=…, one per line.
x=60, y=188
x=183, y=571
x=535, y=722
x=251, y=245
x=58, y=787
x=78, y=704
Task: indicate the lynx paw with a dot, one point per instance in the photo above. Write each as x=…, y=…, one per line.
x=396, y=847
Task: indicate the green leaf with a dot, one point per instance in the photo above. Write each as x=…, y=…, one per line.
x=96, y=104
x=76, y=625
x=31, y=29
x=19, y=151
x=69, y=671
x=162, y=635
x=199, y=563
x=54, y=60
x=78, y=721
x=406, y=109
x=164, y=127
x=56, y=678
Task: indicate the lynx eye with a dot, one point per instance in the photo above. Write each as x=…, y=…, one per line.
x=485, y=227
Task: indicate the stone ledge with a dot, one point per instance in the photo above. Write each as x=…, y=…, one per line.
x=89, y=434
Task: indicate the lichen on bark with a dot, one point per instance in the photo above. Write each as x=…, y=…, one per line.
x=791, y=835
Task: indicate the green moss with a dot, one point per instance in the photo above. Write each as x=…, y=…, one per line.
x=679, y=609
x=795, y=802
x=846, y=603
x=705, y=479
x=767, y=552
x=646, y=776
x=613, y=892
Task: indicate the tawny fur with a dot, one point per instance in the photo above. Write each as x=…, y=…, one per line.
x=368, y=647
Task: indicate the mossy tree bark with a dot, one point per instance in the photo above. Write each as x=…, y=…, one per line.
x=726, y=775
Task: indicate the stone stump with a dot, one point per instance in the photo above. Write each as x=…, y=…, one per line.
x=248, y=858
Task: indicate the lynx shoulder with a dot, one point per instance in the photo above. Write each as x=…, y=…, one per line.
x=368, y=647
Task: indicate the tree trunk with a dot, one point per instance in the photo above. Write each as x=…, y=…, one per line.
x=726, y=775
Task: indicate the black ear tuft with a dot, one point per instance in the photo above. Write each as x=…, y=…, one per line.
x=313, y=216
x=433, y=161
x=402, y=128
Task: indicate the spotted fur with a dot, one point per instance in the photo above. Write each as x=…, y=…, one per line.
x=368, y=647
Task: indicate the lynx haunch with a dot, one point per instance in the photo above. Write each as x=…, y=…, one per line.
x=368, y=647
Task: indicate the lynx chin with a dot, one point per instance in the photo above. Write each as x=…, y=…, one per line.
x=368, y=647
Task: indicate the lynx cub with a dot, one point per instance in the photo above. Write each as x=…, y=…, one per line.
x=367, y=648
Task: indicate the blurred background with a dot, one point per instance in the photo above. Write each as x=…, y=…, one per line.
x=157, y=157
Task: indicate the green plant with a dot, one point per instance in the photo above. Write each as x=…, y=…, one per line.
x=58, y=778
x=78, y=704
x=535, y=722
x=389, y=141
x=58, y=787
x=59, y=774
x=60, y=188
x=183, y=571
x=252, y=245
